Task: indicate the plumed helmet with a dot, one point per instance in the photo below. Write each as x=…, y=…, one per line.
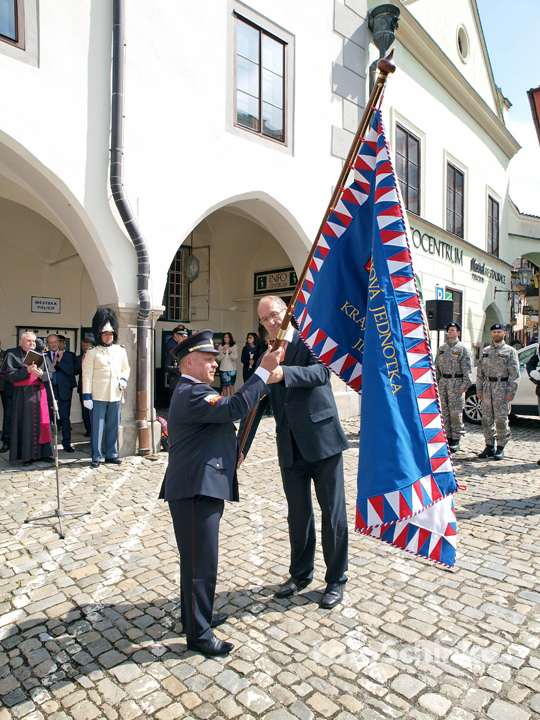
x=104, y=320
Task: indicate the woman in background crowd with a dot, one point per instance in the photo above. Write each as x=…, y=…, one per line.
x=250, y=355
x=228, y=355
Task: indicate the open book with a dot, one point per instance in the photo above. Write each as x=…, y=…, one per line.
x=33, y=357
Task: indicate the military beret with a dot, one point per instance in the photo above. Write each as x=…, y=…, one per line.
x=498, y=326
x=198, y=342
x=453, y=324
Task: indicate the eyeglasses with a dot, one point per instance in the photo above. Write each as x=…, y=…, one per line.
x=272, y=315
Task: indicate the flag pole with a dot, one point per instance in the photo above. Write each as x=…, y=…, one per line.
x=386, y=67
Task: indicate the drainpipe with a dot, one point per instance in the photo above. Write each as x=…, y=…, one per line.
x=124, y=208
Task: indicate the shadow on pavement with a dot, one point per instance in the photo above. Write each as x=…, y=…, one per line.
x=523, y=507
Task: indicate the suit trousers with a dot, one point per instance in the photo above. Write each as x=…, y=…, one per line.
x=7, y=403
x=105, y=420
x=196, y=527
x=327, y=476
x=64, y=410
x=85, y=416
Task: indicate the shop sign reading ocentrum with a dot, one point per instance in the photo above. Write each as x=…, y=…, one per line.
x=446, y=251
x=432, y=246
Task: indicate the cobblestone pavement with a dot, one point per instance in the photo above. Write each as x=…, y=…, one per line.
x=89, y=625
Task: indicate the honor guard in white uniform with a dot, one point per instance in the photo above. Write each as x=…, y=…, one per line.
x=105, y=375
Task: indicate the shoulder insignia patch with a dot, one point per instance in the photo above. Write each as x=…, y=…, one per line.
x=212, y=399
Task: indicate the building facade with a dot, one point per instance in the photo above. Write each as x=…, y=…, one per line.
x=238, y=116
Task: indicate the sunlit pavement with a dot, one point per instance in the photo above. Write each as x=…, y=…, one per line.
x=89, y=625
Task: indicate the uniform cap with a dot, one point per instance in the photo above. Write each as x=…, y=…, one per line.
x=198, y=342
x=453, y=324
x=498, y=326
x=180, y=330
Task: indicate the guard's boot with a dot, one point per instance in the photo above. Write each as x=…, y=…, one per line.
x=487, y=452
x=453, y=444
x=499, y=452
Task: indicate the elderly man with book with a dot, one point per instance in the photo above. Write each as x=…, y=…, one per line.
x=30, y=420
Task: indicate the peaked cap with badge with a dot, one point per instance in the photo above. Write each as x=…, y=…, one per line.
x=198, y=342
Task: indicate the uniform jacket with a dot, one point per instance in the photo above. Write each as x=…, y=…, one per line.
x=173, y=371
x=64, y=375
x=2, y=381
x=498, y=362
x=102, y=369
x=203, y=449
x=304, y=408
x=454, y=359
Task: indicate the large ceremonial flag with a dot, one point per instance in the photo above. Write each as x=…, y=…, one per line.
x=359, y=311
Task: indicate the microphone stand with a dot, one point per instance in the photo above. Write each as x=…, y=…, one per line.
x=58, y=513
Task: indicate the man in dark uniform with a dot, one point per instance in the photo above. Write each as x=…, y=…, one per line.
x=6, y=391
x=310, y=442
x=201, y=475
x=173, y=371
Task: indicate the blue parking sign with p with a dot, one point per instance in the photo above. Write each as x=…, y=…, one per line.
x=440, y=293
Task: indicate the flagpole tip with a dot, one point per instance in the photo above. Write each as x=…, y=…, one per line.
x=387, y=65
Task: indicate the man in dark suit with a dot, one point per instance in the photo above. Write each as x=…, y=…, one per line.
x=63, y=382
x=86, y=344
x=201, y=475
x=310, y=442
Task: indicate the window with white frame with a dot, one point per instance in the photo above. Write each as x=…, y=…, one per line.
x=493, y=227
x=12, y=22
x=260, y=81
x=408, y=168
x=455, y=199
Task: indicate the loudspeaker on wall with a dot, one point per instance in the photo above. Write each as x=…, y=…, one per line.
x=439, y=313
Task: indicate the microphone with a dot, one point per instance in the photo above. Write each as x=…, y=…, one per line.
x=40, y=347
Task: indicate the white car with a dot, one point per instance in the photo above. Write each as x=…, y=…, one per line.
x=525, y=401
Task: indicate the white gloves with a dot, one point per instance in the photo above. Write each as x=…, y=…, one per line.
x=88, y=404
x=535, y=375
x=123, y=384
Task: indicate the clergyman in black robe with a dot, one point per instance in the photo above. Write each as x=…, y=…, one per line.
x=30, y=420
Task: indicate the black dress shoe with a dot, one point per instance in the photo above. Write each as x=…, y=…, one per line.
x=26, y=463
x=293, y=585
x=49, y=460
x=333, y=595
x=212, y=647
x=87, y=433
x=95, y=463
x=69, y=448
x=5, y=447
x=218, y=620
x=113, y=461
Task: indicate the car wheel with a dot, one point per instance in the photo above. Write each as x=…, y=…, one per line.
x=472, y=412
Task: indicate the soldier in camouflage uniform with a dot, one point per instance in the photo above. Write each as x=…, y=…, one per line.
x=453, y=366
x=497, y=382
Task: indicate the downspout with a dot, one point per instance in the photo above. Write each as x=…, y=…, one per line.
x=123, y=206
